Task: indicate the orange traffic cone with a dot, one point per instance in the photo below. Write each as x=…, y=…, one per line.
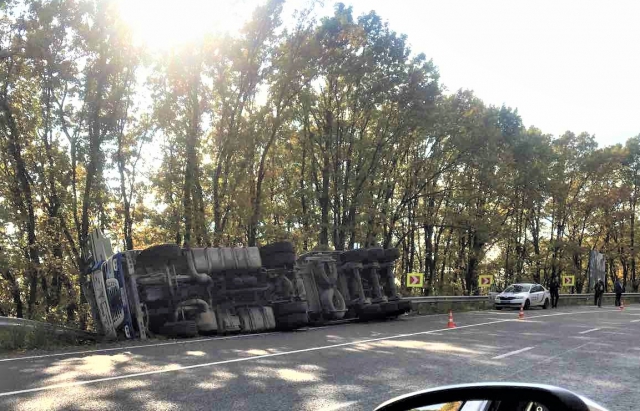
x=521, y=313
x=621, y=305
x=451, y=324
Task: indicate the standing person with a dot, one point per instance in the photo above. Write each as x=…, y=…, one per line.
x=554, y=288
x=599, y=290
x=618, y=288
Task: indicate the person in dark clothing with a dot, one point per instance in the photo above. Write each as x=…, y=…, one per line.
x=618, y=288
x=599, y=291
x=554, y=288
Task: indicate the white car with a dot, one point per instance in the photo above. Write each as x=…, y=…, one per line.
x=525, y=295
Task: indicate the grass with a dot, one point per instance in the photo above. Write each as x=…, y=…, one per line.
x=29, y=337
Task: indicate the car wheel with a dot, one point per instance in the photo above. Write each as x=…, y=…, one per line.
x=546, y=304
x=527, y=304
x=498, y=308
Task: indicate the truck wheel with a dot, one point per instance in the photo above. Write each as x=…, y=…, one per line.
x=157, y=253
x=404, y=306
x=279, y=260
x=183, y=329
x=391, y=254
x=294, y=307
x=292, y=321
x=375, y=254
x=368, y=312
x=278, y=247
x=333, y=302
x=354, y=255
x=390, y=308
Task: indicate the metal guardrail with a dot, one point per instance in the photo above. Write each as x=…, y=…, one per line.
x=468, y=298
x=53, y=328
x=449, y=298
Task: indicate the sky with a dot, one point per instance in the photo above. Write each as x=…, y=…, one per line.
x=565, y=65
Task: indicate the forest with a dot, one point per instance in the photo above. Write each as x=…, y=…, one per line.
x=329, y=132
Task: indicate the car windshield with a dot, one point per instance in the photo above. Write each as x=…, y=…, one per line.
x=517, y=288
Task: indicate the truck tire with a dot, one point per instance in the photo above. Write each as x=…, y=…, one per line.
x=333, y=302
x=404, y=306
x=390, y=308
x=294, y=307
x=159, y=253
x=182, y=329
x=391, y=254
x=354, y=255
x=279, y=260
x=292, y=321
x=368, y=312
x=375, y=254
x=278, y=247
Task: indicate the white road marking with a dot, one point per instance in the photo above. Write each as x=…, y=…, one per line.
x=509, y=354
x=133, y=347
x=635, y=321
x=496, y=313
x=175, y=368
x=545, y=360
x=588, y=331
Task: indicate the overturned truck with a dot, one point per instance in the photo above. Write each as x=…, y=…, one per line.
x=184, y=292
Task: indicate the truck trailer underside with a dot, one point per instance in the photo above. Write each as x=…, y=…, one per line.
x=183, y=292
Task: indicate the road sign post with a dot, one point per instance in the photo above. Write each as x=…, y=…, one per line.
x=415, y=280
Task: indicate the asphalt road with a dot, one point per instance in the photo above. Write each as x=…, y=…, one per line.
x=591, y=351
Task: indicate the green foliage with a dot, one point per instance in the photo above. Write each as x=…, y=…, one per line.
x=331, y=133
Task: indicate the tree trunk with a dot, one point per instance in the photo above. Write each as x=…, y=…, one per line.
x=324, y=195
x=25, y=201
x=15, y=291
x=632, y=234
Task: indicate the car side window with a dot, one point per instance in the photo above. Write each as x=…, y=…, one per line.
x=536, y=288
